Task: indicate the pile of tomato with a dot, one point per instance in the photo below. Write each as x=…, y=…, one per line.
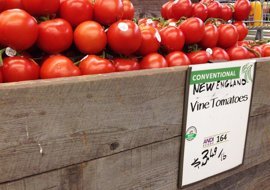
x=42, y=39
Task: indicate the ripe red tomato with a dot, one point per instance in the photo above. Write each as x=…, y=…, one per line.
x=124, y=37
x=242, y=9
x=228, y=35
x=76, y=11
x=237, y=53
x=18, y=68
x=149, y=22
x=214, y=9
x=177, y=58
x=226, y=12
x=152, y=61
x=122, y=64
x=241, y=29
x=129, y=10
x=1, y=75
x=244, y=43
x=181, y=8
x=219, y=54
x=200, y=10
x=41, y=7
x=166, y=10
x=265, y=50
x=57, y=66
x=2, y=5
x=90, y=37
x=150, y=40
x=93, y=64
x=198, y=57
x=55, y=36
x=210, y=38
x=172, y=38
x=193, y=29
x=11, y=4
x=18, y=29
x=107, y=12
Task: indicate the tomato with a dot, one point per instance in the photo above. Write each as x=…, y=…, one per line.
x=55, y=36
x=228, y=35
x=241, y=29
x=244, y=43
x=153, y=60
x=242, y=9
x=200, y=11
x=93, y=64
x=2, y=5
x=18, y=68
x=210, y=38
x=166, y=10
x=226, y=12
x=198, y=57
x=18, y=29
x=1, y=75
x=11, y=4
x=149, y=22
x=265, y=50
x=219, y=54
x=177, y=58
x=193, y=29
x=126, y=64
x=172, y=38
x=150, y=40
x=214, y=9
x=76, y=11
x=237, y=53
x=124, y=37
x=107, y=12
x=129, y=10
x=90, y=37
x=58, y=66
x=41, y=7
x=181, y=8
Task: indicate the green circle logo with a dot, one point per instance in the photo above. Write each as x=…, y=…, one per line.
x=191, y=133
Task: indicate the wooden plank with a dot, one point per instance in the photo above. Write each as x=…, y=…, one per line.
x=149, y=8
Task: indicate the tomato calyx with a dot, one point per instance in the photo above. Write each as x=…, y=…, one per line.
x=1, y=56
x=256, y=53
x=193, y=48
x=232, y=7
x=215, y=21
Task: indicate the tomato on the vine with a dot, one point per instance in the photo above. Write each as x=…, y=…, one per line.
x=177, y=58
x=166, y=10
x=90, y=37
x=19, y=68
x=10, y=4
x=172, y=38
x=214, y=9
x=241, y=29
x=55, y=36
x=124, y=37
x=107, y=12
x=265, y=50
x=76, y=11
x=198, y=57
x=181, y=8
x=226, y=12
x=122, y=64
x=1, y=75
x=200, y=10
x=219, y=54
x=237, y=53
x=129, y=10
x=41, y=7
x=210, y=38
x=149, y=22
x=152, y=61
x=242, y=9
x=18, y=29
x=57, y=66
x=228, y=35
x=93, y=64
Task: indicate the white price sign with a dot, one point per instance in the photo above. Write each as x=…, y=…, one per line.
x=216, y=119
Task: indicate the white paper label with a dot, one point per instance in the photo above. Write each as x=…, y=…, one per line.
x=123, y=26
x=149, y=21
x=209, y=50
x=10, y=52
x=158, y=37
x=217, y=117
x=172, y=24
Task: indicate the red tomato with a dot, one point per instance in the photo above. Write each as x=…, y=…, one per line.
x=58, y=66
x=128, y=10
x=198, y=57
x=177, y=58
x=255, y=52
x=237, y=53
x=265, y=50
x=76, y=11
x=1, y=75
x=55, y=36
x=93, y=64
x=214, y=9
x=153, y=60
x=18, y=68
x=172, y=38
x=90, y=37
x=124, y=37
x=242, y=9
x=11, y=4
x=107, y=12
x=149, y=22
x=18, y=29
x=181, y=8
x=166, y=10
x=219, y=54
x=210, y=38
x=193, y=29
x=226, y=12
x=41, y=7
x=126, y=64
x=241, y=29
x=150, y=40
x=228, y=35
x=244, y=43
x=2, y=5
x=200, y=11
